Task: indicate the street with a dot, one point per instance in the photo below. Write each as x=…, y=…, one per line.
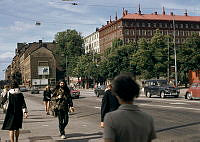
x=176, y=120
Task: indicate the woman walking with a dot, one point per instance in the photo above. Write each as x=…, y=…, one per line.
x=16, y=108
x=62, y=104
x=47, y=98
x=4, y=95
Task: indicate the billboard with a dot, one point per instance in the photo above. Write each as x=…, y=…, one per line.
x=43, y=70
x=39, y=81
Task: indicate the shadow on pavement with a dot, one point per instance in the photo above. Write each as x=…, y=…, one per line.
x=87, y=138
x=180, y=126
x=38, y=138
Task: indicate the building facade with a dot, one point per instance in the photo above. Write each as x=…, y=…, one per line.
x=91, y=43
x=36, y=63
x=131, y=27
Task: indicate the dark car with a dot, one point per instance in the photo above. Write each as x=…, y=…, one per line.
x=194, y=91
x=75, y=93
x=35, y=90
x=160, y=88
x=100, y=90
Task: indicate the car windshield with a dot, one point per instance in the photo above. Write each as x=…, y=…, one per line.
x=162, y=82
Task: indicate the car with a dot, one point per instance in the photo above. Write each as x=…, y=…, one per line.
x=100, y=90
x=22, y=89
x=194, y=91
x=35, y=90
x=160, y=88
x=75, y=93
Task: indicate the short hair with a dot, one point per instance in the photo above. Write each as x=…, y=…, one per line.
x=125, y=87
x=14, y=84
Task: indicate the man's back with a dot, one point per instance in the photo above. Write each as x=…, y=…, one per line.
x=129, y=124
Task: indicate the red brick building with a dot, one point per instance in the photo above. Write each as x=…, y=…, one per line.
x=131, y=27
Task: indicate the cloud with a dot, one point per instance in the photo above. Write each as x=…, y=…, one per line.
x=21, y=26
x=6, y=55
x=68, y=7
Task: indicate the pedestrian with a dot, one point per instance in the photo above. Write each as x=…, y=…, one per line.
x=109, y=103
x=3, y=95
x=47, y=98
x=128, y=123
x=62, y=104
x=16, y=108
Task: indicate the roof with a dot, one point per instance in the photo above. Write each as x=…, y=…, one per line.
x=162, y=17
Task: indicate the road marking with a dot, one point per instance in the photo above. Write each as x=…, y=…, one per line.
x=161, y=106
x=45, y=125
x=98, y=107
x=177, y=103
x=167, y=100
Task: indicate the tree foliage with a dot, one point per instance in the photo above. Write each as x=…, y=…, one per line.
x=69, y=44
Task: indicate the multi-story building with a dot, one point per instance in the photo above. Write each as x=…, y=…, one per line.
x=36, y=63
x=131, y=27
x=91, y=43
x=8, y=73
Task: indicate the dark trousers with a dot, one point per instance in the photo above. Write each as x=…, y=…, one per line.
x=63, y=119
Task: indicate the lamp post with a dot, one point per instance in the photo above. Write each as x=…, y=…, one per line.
x=175, y=63
x=66, y=74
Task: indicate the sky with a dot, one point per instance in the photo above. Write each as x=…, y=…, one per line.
x=18, y=18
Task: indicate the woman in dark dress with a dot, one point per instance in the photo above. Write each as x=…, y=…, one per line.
x=14, y=115
x=47, y=98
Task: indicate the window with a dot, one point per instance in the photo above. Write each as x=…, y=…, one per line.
x=160, y=25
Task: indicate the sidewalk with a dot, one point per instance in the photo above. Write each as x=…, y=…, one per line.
x=40, y=127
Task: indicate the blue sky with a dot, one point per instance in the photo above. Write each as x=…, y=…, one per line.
x=18, y=17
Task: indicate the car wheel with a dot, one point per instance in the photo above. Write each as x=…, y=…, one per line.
x=162, y=94
x=148, y=94
x=189, y=96
x=176, y=96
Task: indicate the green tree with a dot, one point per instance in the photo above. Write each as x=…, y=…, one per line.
x=69, y=44
x=189, y=57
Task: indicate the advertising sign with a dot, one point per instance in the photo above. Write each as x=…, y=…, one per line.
x=39, y=81
x=43, y=70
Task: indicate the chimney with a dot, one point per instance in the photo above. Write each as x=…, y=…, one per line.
x=139, y=11
x=156, y=13
x=116, y=16
x=123, y=13
x=107, y=22
x=110, y=19
x=186, y=14
x=163, y=12
x=126, y=12
x=171, y=13
x=40, y=43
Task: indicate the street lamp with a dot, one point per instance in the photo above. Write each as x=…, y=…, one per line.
x=66, y=74
x=175, y=63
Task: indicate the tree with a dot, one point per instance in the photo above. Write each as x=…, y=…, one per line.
x=189, y=57
x=69, y=44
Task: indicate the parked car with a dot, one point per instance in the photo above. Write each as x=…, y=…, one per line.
x=75, y=93
x=194, y=91
x=100, y=90
x=160, y=88
x=23, y=89
x=35, y=90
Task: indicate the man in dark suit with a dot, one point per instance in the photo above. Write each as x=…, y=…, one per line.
x=109, y=103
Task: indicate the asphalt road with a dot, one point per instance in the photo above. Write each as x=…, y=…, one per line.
x=176, y=120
